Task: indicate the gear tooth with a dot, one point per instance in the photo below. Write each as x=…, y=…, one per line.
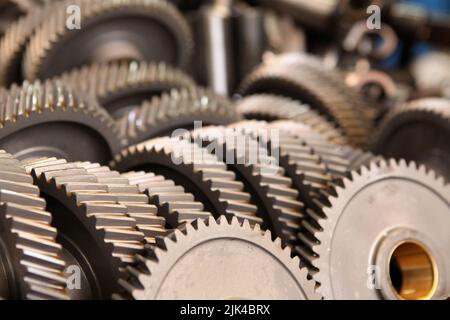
x=257, y=227
x=245, y=224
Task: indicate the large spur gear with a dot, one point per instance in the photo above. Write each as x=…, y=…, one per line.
x=43, y=119
x=418, y=131
x=179, y=109
x=193, y=167
x=300, y=81
x=271, y=107
x=111, y=30
x=385, y=235
x=31, y=259
x=232, y=254
x=122, y=86
x=102, y=221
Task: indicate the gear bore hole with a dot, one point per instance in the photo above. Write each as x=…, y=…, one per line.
x=412, y=271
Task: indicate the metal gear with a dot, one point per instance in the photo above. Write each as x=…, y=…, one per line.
x=402, y=243
x=102, y=222
x=174, y=203
x=232, y=255
x=36, y=119
x=193, y=167
x=303, y=81
x=177, y=110
x=271, y=191
x=98, y=40
x=121, y=86
x=418, y=131
x=31, y=259
x=13, y=44
x=271, y=107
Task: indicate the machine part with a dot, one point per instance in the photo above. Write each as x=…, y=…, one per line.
x=42, y=119
x=316, y=14
x=431, y=73
x=13, y=44
x=232, y=255
x=271, y=191
x=282, y=34
x=419, y=22
x=377, y=87
x=122, y=86
x=328, y=73
x=175, y=111
x=339, y=159
x=271, y=108
x=250, y=38
x=402, y=237
x=418, y=131
x=31, y=259
x=95, y=219
x=130, y=196
x=111, y=30
x=295, y=77
x=193, y=167
x=10, y=11
x=174, y=203
x=214, y=34
x=363, y=41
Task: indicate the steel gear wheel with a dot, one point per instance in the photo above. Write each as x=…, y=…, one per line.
x=193, y=167
x=174, y=203
x=13, y=44
x=229, y=270
x=98, y=40
x=418, y=131
x=31, y=259
x=121, y=86
x=271, y=107
x=402, y=244
x=271, y=191
x=177, y=110
x=340, y=159
x=37, y=119
x=100, y=220
x=301, y=82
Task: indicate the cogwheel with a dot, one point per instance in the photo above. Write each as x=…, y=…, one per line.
x=174, y=203
x=38, y=119
x=13, y=44
x=271, y=191
x=31, y=260
x=102, y=222
x=111, y=30
x=401, y=251
x=418, y=131
x=129, y=195
x=332, y=76
x=299, y=82
x=177, y=110
x=232, y=255
x=194, y=168
x=340, y=159
x=121, y=86
x=271, y=107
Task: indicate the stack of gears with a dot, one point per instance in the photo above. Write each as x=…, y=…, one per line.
x=133, y=167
